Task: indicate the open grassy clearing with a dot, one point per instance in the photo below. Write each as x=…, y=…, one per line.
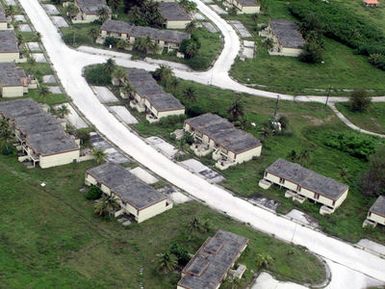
x=372, y=120
x=343, y=69
x=51, y=238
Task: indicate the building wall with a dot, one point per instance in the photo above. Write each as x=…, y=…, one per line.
x=59, y=159
x=9, y=57
x=170, y=113
x=11, y=91
x=3, y=26
x=251, y=9
x=248, y=155
x=377, y=218
x=153, y=210
x=181, y=24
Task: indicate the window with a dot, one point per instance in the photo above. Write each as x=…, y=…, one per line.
x=334, y=203
x=298, y=188
x=265, y=174
x=316, y=196
x=281, y=181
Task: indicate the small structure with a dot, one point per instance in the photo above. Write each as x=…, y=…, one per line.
x=371, y=3
x=175, y=15
x=9, y=49
x=246, y=6
x=149, y=97
x=3, y=20
x=41, y=138
x=305, y=184
x=164, y=39
x=135, y=197
x=376, y=214
x=286, y=38
x=88, y=10
x=211, y=264
x=13, y=81
x=216, y=135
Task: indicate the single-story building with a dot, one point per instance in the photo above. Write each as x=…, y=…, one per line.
x=305, y=184
x=13, y=81
x=9, y=48
x=371, y=3
x=376, y=214
x=135, y=197
x=210, y=265
x=165, y=39
x=216, y=135
x=41, y=138
x=149, y=97
x=246, y=6
x=175, y=15
x=88, y=10
x=286, y=38
x=3, y=20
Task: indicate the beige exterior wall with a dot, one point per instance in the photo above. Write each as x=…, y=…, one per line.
x=177, y=24
x=9, y=57
x=248, y=155
x=59, y=159
x=251, y=9
x=170, y=113
x=12, y=91
x=3, y=26
x=376, y=218
x=153, y=210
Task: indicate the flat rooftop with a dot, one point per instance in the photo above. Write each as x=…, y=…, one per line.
x=378, y=207
x=43, y=132
x=173, y=11
x=11, y=75
x=142, y=31
x=223, y=132
x=207, y=269
x=8, y=42
x=146, y=86
x=248, y=3
x=91, y=7
x=128, y=187
x=307, y=179
x=287, y=33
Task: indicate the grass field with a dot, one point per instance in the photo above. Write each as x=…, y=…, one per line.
x=372, y=120
x=50, y=238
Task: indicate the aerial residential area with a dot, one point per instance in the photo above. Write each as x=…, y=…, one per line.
x=192, y=144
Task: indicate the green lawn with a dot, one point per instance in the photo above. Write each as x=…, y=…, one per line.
x=372, y=120
x=50, y=237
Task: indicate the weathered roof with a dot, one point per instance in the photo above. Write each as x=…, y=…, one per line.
x=91, y=7
x=42, y=131
x=307, y=179
x=142, y=31
x=3, y=18
x=172, y=11
x=11, y=75
x=287, y=33
x=8, y=42
x=379, y=206
x=213, y=260
x=223, y=132
x=248, y=3
x=128, y=187
x=146, y=86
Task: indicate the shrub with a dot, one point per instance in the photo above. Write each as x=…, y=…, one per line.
x=180, y=253
x=199, y=62
x=96, y=75
x=359, y=100
x=378, y=60
x=93, y=193
x=110, y=41
x=373, y=181
x=312, y=53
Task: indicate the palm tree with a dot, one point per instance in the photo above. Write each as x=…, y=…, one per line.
x=43, y=89
x=105, y=206
x=167, y=262
x=99, y=155
x=263, y=260
x=197, y=225
x=72, y=10
x=236, y=110
x=109, y=66
x=62, y=111
x=6, y=134
x=190, y=94
x=10, y=11
x=94, y=32
x=20, y=39
x=127, y=89
x=103, y=13
x=191, y=26
x=118, y=75
x=163, y=74
x=121, y=44
x=114, y=4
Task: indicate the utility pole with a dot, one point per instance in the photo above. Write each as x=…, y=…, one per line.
x=276, y=107
x=328, y=95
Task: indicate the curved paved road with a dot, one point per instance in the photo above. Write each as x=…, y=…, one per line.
x=348, y=263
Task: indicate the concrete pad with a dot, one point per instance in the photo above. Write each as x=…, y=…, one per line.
x=20, y=18
x=240, y=28
x=207, y=1
x=162, y=146
x=179, y=198
x=55, y=89
x=210, y=27
x=49, y=79
x=73, y=117
x=115, y=156
x=198, y=168
x=144, y=175
x=39, y=57
x=248, y=43
x=198, y=16
x=104, y=94
x=25, y=28
x=302, y=218
x=218, y=9
x=33, y=46
x=266, y=281
x=264, y=202
x=59, y=21
x=51, y=9
x=247, y=53
x=123, y=114
x=372, y=246
x=10, y=2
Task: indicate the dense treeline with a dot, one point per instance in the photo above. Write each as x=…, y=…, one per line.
x=343, y=25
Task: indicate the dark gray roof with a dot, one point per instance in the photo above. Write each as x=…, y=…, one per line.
x=128, y=187
x=91, y=7
x=42, y=131
x=223, y=132
x=146, y=86
x=210, y=264
x=307, y=179
x=8, y=41
x=173, y=11
x=379, y=206
x=248, y=3
x=3, y=18
x=141, y=31
x=11, y=75
x=287, y=33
